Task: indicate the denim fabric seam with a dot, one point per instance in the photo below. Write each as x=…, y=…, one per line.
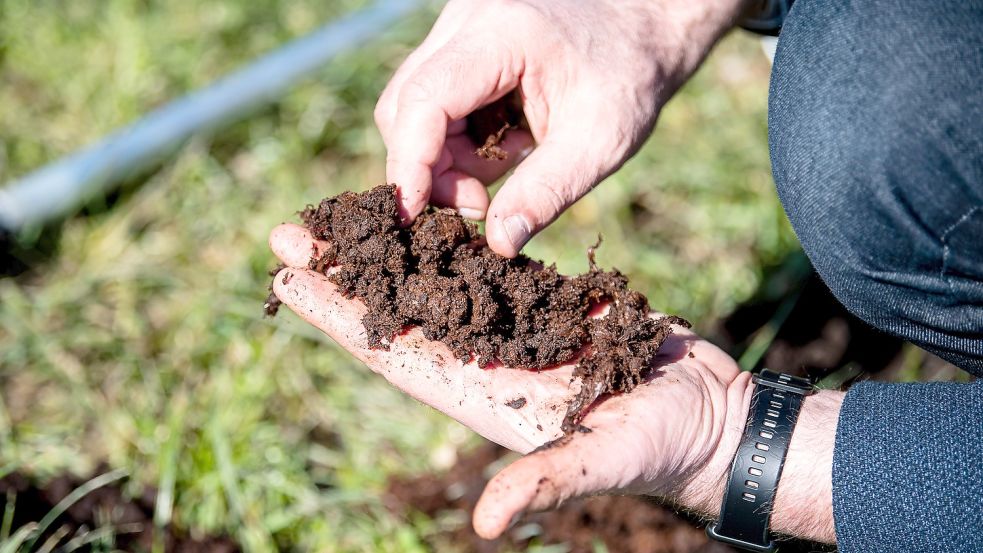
x=945, y=244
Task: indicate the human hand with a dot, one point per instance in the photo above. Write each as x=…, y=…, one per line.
x=592, y=77
x=673, y=436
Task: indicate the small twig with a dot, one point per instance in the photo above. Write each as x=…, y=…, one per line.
x=593, y=250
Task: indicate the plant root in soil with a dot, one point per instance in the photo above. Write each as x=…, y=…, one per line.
x=440, y=275
x=488, y=126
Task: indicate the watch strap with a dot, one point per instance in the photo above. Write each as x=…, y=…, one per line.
x=746, y=509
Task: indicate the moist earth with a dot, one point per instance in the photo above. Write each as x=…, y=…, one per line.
x=488, y=126
x=620, y=524
x=439, y=275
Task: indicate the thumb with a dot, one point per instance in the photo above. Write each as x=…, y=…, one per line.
x=554, y=176
x=586, y=464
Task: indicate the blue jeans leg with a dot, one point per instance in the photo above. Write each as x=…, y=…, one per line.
x=876, y=135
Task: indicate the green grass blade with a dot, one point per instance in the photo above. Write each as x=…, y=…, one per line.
x=51, y=543
x=8, y=515
x=763, y=338
x=164, y=505
x=100, y=534
x=70, y=499
x=13, y=544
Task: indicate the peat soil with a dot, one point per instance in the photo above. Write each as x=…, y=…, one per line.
x=127, y=522
x=440, y=275
x=488, y=126
x=817, y=337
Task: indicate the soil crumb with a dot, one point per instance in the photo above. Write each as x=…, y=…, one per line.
x=487, y=126
x=272, y=304
x=440, y=275
x=517, y=403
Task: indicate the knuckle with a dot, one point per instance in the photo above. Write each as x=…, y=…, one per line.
x=382, y=112
x=523, y=11
x=416, y=89
x=553, y=200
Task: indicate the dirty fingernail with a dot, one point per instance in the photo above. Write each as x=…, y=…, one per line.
x=471, y=213
x=517, y=230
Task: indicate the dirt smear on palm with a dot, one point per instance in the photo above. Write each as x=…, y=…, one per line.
x=440, y=276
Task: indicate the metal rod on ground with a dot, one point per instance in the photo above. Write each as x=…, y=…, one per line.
x=58, y=189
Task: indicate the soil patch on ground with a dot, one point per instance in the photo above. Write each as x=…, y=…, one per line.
x=440, y=275
x=103, y=516
x=619, y=523
x=815, y=336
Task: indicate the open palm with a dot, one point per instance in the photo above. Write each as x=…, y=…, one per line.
x=665, y=438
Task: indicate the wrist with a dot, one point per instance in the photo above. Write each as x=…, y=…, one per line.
x=695, y=27
x=803, y=504
x=804, y=498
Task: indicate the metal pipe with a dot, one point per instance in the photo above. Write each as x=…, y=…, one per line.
x=59, y=188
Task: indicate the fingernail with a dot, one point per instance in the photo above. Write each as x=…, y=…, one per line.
x=471, y=213
x=517, y=230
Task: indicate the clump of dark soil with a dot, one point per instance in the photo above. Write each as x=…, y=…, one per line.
x=487, y=126
x=440, y=275
x=621, y=523
x=103, y=515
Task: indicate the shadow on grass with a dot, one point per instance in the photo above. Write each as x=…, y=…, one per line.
x=794, y=324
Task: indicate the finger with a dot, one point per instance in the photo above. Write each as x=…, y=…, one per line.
x=447, y=24
x=555, y=175
x=517, y=144
x=462, y=192
x=455, y=81
x=318, y=301
x=586, y=464
x=294, y=245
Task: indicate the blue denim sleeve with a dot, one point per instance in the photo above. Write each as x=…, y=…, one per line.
x=908, y=468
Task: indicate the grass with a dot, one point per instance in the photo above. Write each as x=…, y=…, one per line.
x=141, y=341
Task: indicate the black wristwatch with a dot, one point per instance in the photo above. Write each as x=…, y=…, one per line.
x=765, y=17
x=750, y=493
